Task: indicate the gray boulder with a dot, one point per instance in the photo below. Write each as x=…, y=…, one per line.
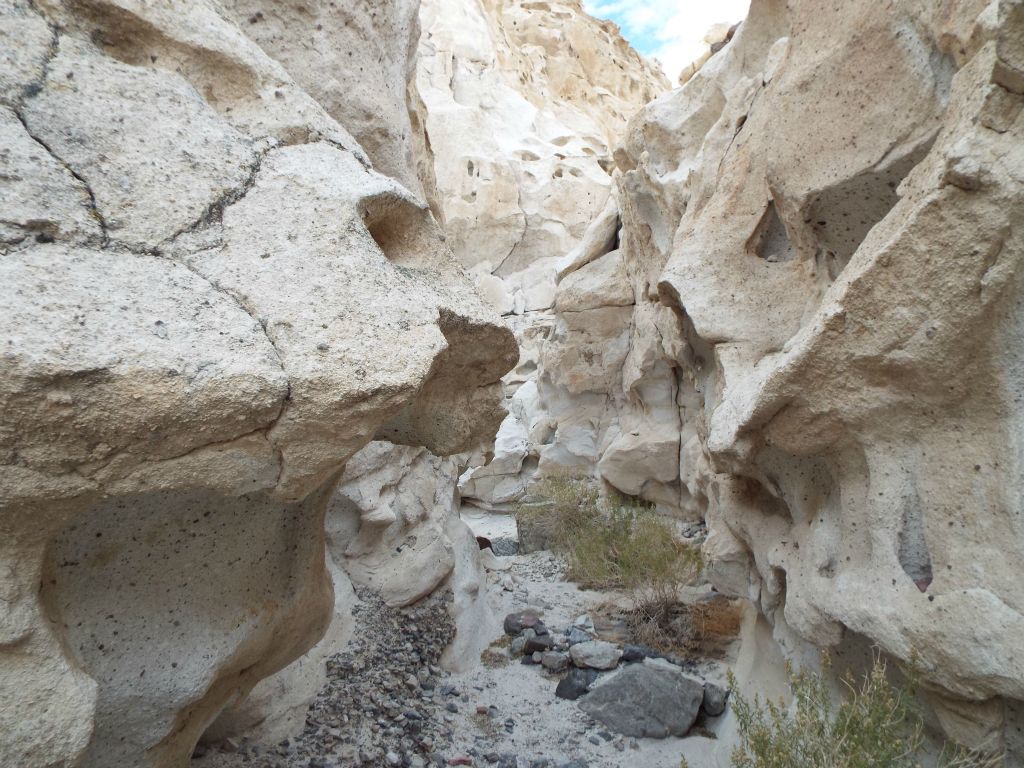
x=516, y=622
x=577, y=635
x=653, y=699
x=595, y=654
x=576, y=683
x=539, y=644
x=715, y=697
x=555, y=661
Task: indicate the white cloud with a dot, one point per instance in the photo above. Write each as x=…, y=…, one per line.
x=670, y=30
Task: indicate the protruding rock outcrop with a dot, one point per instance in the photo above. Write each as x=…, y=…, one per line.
x=524, y=102
x=831, y=211
x=807, y=330
x=210, y=301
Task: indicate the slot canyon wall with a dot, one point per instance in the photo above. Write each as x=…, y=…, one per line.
x=525, y=102
x=842, y=250
x=213, y=297
x=512, y=113
x=799, y=319
x=266, y=267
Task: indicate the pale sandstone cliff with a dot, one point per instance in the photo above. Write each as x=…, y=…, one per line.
x=807, y=331
x=210, y=301
x=523, y=103
x=822, y=232
x=794, y=312
x=393, y=528
x=863, y=311
x=510, y=76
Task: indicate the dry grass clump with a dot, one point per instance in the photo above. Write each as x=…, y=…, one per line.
x=706, y=629
x=496, y=654
x=611, y=542
x=493, y=659
x=720, y=617
x=615, y=542
x=875, y=726
x=557, y=509
x=716, y=623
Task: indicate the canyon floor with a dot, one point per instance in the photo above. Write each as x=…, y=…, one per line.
x=388, y=703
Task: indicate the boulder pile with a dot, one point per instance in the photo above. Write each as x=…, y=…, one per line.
x=631, y=689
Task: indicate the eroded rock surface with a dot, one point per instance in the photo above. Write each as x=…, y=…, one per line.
x=791, y=306
x=822, y=232
x=210, y=302
x=524, y=102
x=800, y=320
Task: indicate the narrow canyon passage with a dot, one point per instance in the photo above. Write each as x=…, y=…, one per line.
x=441, y=382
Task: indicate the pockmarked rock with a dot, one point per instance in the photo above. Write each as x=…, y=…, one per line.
x=211, y=302
x=821, y=355
x=846, y=399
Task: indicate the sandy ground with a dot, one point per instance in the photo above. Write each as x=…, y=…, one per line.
x=506, y=714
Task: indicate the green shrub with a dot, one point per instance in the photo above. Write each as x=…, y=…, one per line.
x=611, y=542
x=875, y=726
x=557, y=509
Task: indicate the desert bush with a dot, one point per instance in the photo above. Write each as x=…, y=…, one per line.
x=557, y=509
x=611, y=541
x=876, y=725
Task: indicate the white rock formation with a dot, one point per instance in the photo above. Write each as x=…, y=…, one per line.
x=791, y=306
x=209, y=302
x=510, y=94
x=524, y=101
x=393, y=527
x=362, y=78
x=822, y=230
x=386, y=524
x=808, y=331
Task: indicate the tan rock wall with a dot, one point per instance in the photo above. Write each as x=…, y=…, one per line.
x=830, y=206
x=523, y=102
x=210, y=301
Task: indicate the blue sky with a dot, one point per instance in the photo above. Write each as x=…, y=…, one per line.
x=671, y=31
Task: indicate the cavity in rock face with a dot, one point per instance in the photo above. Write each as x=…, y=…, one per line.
x=200, y=325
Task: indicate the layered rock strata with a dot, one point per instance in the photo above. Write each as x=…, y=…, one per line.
x=210, y=301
